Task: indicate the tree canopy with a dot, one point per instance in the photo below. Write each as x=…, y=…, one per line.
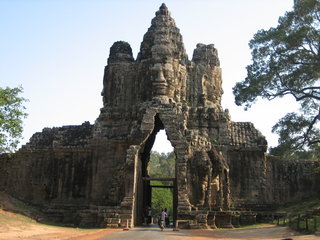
x=161, y=198
x=162, y=164
x=286, y=61
x=12, y=113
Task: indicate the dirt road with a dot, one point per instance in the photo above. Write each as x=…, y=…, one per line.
x=14, y=227
x=265, y=232
x=19, y=226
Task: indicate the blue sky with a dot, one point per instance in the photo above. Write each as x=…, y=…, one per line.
x=57, y=51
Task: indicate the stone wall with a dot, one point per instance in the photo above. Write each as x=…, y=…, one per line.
x=263, y=183
x=95, y=175
x=55, y=166
x=292, y=180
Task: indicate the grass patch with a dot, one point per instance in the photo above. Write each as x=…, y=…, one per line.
x=15, y=217
x=301, y=207
x=21, y=206
x=257, y=225
x=15, y=211
x=251, y=226
x=301, y=216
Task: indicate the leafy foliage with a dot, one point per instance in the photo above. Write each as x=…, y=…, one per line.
x=161, y=198
x=286, y=61
x=162, y=164
x=12, y=112
x=317, y=170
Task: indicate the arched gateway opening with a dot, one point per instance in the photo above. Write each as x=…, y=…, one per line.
x=149, y=182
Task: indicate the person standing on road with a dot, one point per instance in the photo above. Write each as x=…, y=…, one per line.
x=163, y=216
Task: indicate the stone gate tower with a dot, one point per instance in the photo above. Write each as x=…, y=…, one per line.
x=162, y=89
x=97, y=175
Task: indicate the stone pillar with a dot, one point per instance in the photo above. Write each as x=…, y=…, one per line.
x=183, y=202
x=128, y=202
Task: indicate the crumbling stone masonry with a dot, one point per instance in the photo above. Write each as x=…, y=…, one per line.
x=96, y=175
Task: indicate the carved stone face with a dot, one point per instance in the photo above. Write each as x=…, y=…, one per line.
x=169, y=75
x=169, y=80
x=159, y=84
x=162, y=50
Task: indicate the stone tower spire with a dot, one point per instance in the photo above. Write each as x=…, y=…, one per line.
x=163, y=40
x=163, y=10
x=163, y=55
x=162, y=70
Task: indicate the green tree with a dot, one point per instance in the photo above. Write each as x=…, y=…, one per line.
x=161, y=198
x=162, y=164
x=286, y=61
x=12, y=113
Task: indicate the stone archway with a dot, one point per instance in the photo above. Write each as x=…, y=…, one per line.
x=161, y=89
x=143, y=194
x=142, y=189
x=102, y=166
